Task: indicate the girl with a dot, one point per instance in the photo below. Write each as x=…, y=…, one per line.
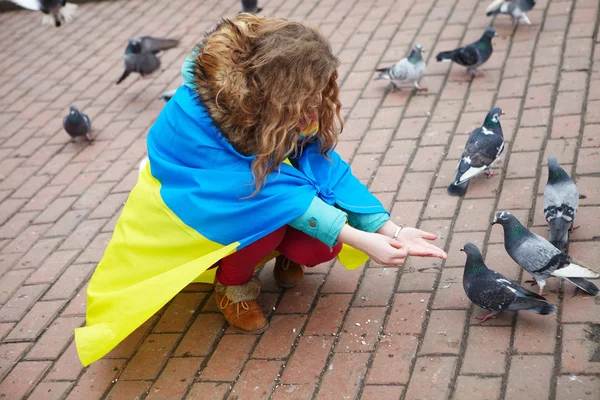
x=241, y=167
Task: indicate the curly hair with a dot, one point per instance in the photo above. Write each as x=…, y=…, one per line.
x=260, y=78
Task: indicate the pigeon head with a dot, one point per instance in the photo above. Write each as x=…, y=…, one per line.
x=416, y=53
x=555, y=172
x=492, y=119
x=474, y=262
x=74, y=115
x=134, y=46
x=489, y=33
x=503, y=218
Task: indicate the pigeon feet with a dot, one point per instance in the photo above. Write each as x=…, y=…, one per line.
x=490, y=173
x=486, y=317
x=422, y=89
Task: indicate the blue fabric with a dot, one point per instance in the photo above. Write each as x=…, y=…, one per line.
x=367, y=222
x=203, y=179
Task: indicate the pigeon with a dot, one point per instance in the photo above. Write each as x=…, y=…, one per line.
x=409, y=69
x=56, y=12
x=166, y=96
x=472, y=55
x=561, y=199
x=77, y=124
x=540, y=258
x=484, y=146
x=140, y=54
x=515, y=8
x=492, y=291
x=250, y=6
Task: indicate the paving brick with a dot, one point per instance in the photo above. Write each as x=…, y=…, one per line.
x=128, y=390
x=278, y=340
x=486, y=343
x=300, y=298
x=175, y=379
x=257, y=380
x=326, y=318
x=579, y=349
x=179, y=312
x=361, y=329
x=407, y=314
x=308, y=360
x=229, y=357
x=22, y=379
x=21, y=302
x=68, y=367
x=150, y=357
x=582, y=387
x=530, y=374
x=444, y=332
x=293, y=392
x=376, y=287
x=342, y=280
x=208, y=390
x=55, y=338
x=34, y=322
x=516, y=193
x=434, y=379
x=97, y=379
x=10, y=353
x=344, y=375
x=66, y=286
x=50, y=390
x=477, y=388
x=483, y=208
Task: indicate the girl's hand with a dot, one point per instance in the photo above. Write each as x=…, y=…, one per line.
x=414, y=241
x=383, y=250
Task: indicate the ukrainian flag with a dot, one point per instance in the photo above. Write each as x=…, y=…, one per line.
x=187, y=211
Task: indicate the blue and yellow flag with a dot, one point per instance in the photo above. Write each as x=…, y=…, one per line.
x=187, y=211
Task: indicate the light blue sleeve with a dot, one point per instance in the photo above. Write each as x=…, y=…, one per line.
x=321, y=221
x=367, y=222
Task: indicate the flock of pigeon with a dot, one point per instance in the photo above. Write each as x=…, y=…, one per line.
x=486, y=288
x=541, y=258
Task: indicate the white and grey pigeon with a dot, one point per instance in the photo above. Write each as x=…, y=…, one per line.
x=56, y=12
x=540, y=258
x=472, y=55
x=77, y=124
x=515, y=8
x=250, y=6
x=166, y=96
x=140, y=55
x=561, y=199
x=492, y=291
x=409, y=69
x=484, y=146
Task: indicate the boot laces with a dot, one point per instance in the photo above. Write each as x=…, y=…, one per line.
x=226, y=300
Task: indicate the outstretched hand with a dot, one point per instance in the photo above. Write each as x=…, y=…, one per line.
x=415, y=241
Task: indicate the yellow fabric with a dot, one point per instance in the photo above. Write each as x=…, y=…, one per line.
x=151, y=257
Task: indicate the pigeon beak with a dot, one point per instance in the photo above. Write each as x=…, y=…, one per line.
x=463, y=250
x=494, y=221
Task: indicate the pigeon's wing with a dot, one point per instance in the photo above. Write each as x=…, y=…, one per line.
x=520, y=290
x=400, y=70
x=147, y=63
x=491, y=292
x=483, y=148
x=561, y=200
x=88, y=123
x=524, y=5
x=466, y=56
x=537, y=255
x=154, y=45
x=28, y=4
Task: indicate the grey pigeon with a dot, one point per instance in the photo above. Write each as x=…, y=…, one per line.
x=409, y=69
x=492, y=291
x=561, y=199
x=56, y=12
x=540, y=258
x=250, y=6
x=166, y=96
x=140, y=55
x=484, y=146
x=77, y=124
x=515, y=8
x=472, y=55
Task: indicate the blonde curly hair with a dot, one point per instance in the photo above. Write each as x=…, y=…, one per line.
x=261, y=78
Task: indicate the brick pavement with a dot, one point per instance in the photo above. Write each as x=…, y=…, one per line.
x=373, y=333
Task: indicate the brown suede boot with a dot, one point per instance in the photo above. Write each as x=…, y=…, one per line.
x=287, y=274
x=238, y=305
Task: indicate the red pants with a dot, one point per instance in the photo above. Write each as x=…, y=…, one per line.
x=237, y=268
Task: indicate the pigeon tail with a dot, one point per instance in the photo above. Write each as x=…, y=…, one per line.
x=444, y=56
x=559, y=233
x=458, y=190
x=125, y=75
x=584, y=285
x=532, y=305
x=494, y=8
